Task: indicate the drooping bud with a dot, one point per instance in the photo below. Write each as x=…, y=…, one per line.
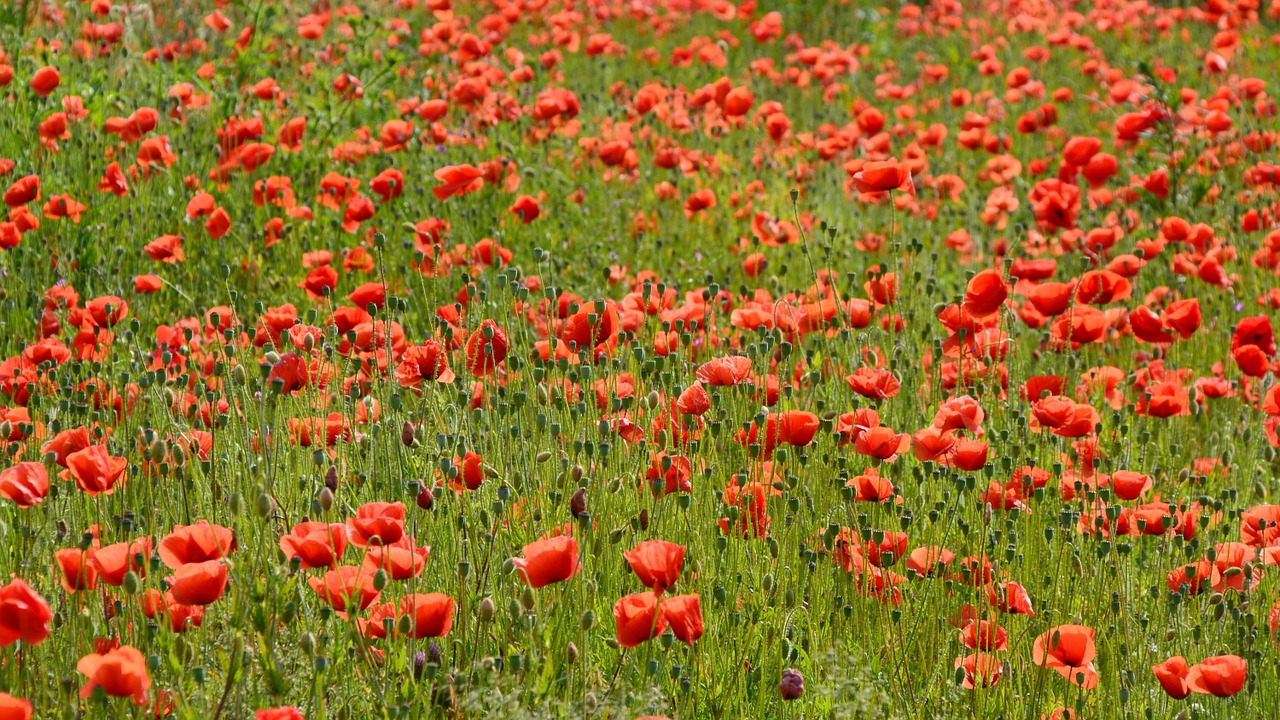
x=792, y=684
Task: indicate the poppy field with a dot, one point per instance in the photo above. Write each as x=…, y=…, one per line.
x=639, y=359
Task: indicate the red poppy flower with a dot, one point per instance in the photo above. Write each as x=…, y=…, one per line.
x=196, y=543
x=486, y=348
x=1068, y=650
x=14, y=708
x=985, y=293
x=180, y=617
x=279, y=713
x=315, y=544
x=984, y=635
x=683, y=614
x=883, y=176
x=45, y=81
x=882, y=443
x=120, y=672
x=657, y=563
x=724, y=371
x=95, y=469
x=112, y=562
x=1222, y=676
x=402, y=559
x=458, y=180
x=25, y=484
x=345, y=588
x=431, y=614
x=638, y=619
x=199, y=583
x=980, y=670
x=376, y=523
x=1172, y=674
x=24, y=615
x=548, y=561
x=75, y=569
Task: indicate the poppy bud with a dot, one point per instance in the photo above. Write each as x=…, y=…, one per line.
x=131, y=583
x=578, y=503
x=264, y=505
x=331, y=479
x=405, y=624
x=155, y=452
x=542, y=457
x=425, y=500
x=571, y=652
x=792, y=683
x=486, y=610
x=406, y=434
x=308, y=644
x=325, y=498
x=526, y=598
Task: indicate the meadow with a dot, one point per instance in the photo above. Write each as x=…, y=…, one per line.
x=639, y=359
